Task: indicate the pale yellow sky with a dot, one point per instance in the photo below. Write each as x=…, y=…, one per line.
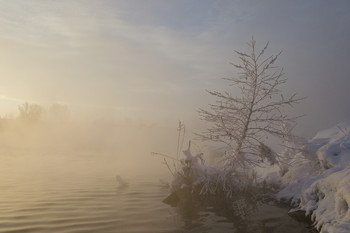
x=90, y=59
x=153, y=60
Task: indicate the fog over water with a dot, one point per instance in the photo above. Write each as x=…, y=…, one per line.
x=68, y=143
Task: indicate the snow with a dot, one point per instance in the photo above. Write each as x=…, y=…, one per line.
x=318, y=181
x=191, y=170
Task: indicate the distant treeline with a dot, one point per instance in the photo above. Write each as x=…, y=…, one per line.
x=51, y=128
x=31, y=113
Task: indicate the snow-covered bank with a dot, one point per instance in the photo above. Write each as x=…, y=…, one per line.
x=318, y=180
x=313, y=177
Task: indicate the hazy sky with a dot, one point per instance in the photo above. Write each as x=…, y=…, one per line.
x=152, y=61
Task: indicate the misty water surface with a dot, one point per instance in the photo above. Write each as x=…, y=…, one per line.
x=59, y=175
x=79, y=193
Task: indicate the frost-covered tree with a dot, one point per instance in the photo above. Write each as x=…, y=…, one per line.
x=244, y=122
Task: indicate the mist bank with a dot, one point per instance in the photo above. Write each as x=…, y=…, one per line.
x=48, y=135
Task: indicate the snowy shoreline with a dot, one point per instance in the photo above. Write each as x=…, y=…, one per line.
x=313, y=177
x=318, y=180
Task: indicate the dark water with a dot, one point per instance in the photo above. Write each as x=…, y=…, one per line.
x=55, y=196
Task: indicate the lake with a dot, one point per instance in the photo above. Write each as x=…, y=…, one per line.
x=62, y=194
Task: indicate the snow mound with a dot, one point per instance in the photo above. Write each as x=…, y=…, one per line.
x=335, y=149
x=328, y=200
x=318, y=182
x=340, y=128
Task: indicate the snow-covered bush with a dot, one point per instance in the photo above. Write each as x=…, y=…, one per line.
x=200, y=179
x=191, y=169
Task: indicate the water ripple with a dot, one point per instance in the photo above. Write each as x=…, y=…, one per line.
x=100, y=206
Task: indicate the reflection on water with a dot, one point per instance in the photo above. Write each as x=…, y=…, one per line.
x=62, y=197
x=249, y=217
